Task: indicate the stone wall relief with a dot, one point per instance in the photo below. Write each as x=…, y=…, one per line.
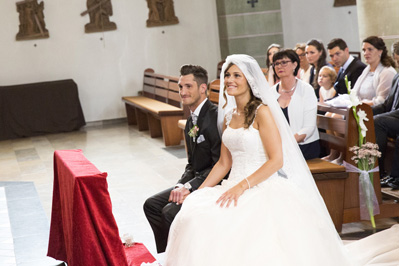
x=99, y=12
x=161, y=12
x=31, y=20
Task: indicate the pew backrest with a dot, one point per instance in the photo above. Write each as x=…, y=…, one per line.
x=213, y=91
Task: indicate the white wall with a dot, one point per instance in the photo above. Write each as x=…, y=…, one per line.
x=109, y=69
x=307, y=19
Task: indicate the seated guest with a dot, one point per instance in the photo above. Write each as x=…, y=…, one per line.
x=348, y=65
x=326, y=80
x=386, y=123
x=270, y=75
x=316, y=56
x=298, y=102
x=304, y=71
x=203, y=148
x=375, y=82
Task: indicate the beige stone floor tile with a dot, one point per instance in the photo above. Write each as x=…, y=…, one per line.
x=9, y=170
x=32, y=167
x=22, y=143
x=7, y=153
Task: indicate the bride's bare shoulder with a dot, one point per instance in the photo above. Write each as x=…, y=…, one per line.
x=263, y=117
x=263, y=111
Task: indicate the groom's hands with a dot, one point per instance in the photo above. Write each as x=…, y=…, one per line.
x=178, y=195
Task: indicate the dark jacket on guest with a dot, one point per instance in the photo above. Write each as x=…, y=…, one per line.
x=353, y=71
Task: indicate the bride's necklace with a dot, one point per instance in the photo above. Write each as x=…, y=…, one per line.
x=291, y=90
x=238, y=112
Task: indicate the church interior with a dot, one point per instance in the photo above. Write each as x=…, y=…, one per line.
x=105, y=55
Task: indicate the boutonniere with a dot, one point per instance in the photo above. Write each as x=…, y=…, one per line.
x=193, y=131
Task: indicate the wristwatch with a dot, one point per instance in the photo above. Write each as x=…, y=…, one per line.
x=179, y=185
x=188, y=187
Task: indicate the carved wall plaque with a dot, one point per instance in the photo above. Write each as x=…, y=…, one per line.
x=344, y=3
x=99, y=12
x=31, y=20
x=161, y=12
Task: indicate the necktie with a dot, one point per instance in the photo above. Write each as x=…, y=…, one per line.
x=195, y=118
x=340, y=73
x=395, y=99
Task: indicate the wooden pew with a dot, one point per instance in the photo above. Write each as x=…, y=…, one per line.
x=158, y=109
x=330, y=178
x=213, y=91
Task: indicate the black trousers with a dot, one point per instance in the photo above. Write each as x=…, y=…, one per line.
x=387, y=125
x=310, y=150
x=160, y=214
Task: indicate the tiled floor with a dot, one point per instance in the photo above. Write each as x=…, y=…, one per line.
x=137, y=167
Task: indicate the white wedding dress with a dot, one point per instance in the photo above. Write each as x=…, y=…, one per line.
x=272, y=224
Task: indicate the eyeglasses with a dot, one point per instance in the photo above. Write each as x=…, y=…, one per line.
x=283, y=63
x=301, y=55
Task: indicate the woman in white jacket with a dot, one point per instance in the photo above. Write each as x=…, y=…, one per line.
x=374, y=84
x=298, y=102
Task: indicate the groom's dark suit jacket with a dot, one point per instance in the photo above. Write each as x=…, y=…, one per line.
x=203, y=150
x=353, y=71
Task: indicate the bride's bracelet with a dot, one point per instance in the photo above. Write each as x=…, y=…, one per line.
x=249, y=185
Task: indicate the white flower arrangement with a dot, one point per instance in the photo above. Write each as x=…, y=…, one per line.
x=362, y=117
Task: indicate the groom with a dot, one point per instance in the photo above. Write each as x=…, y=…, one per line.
x=203, y=149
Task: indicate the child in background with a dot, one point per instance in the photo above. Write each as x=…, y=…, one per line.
x=327, y=77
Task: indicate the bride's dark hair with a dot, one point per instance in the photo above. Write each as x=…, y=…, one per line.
x=250, y=107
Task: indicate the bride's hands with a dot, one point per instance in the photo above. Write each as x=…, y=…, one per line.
x=231, y=195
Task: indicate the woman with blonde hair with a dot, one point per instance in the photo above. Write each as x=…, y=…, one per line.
x=304, y=72
x=271, y=77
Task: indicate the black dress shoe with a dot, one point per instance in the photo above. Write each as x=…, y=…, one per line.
x=394, y=184
x=385, y=180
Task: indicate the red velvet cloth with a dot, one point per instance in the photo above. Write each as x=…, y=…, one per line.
x=138, y=254
x=83, y=230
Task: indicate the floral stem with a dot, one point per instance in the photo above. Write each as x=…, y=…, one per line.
x=372, y=217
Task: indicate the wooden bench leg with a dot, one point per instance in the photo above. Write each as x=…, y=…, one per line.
x=131, y=114
x=172, y=134
x=333, y=195
x=154, y=126
x=141, y=119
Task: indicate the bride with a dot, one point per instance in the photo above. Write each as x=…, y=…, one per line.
x=269, y=211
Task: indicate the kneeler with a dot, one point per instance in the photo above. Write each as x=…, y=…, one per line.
x=83, y=230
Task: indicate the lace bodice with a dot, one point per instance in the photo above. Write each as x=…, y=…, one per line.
x=245, y=146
